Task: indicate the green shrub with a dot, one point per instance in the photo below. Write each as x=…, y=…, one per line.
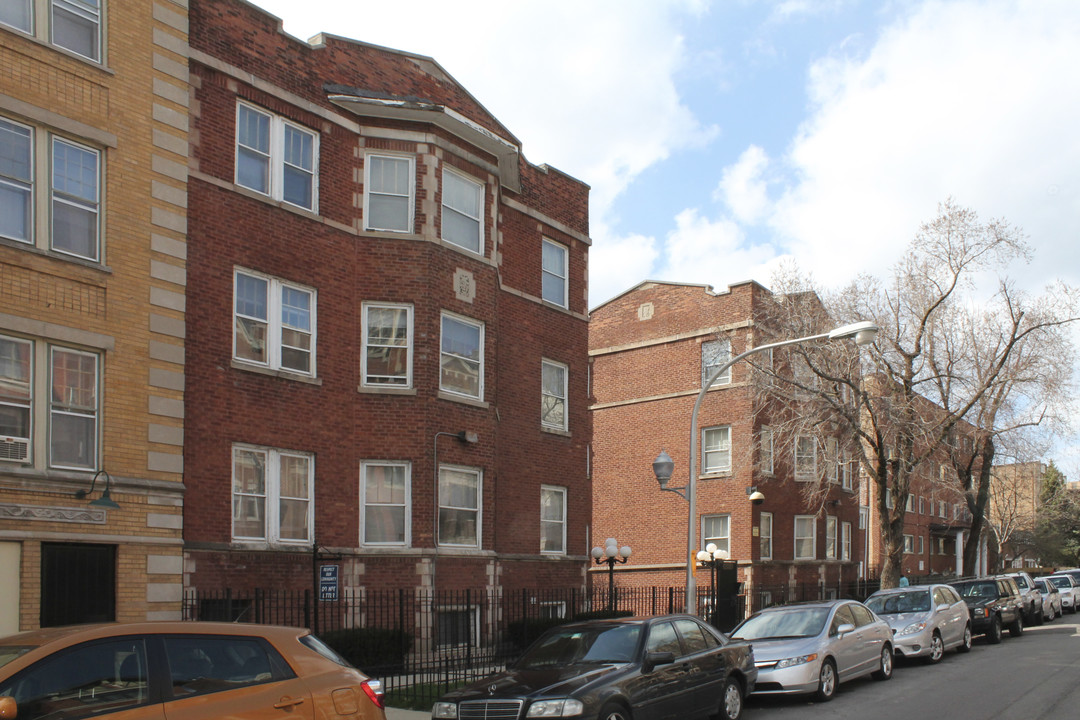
x=376, y=651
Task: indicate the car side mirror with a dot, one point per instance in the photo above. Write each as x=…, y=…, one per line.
x=653, y=659
x=8, y=709
x=844, y=629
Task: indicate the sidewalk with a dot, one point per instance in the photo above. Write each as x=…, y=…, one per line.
x=399, y=714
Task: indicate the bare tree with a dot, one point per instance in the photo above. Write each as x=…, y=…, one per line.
x=940, y=367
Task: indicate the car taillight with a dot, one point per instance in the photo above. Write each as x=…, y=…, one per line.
x=374, y=690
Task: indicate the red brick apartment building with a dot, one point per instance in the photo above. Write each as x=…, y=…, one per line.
x=650, y=350
x=387, y=337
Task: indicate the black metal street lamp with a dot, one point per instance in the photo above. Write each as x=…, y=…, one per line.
x=713, y=558
x=608, y=555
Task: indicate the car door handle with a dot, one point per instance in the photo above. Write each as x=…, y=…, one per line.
x=288, y=702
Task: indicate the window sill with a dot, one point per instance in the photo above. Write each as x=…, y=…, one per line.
x=64, y=257
x=443, y=395
x=388, y=390
x=555, y=431
x=718, y=475
x=283, y=374
x=96, y=64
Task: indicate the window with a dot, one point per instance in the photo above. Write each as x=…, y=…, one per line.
x=457, y=626
x=199, y=664
x=845, y=541
x=922, y=505
x=552, y=519
x=766, y=440
x=276, y=157
x=73, y=25
x=459, y=506
x=922, y=547
x=805, y=537
x=714, y=354
x=805, y=457
x=555, y=273
x=553, y=395
x=385, y=496
x=941, y=508
x=84, y=681
x=272, y=495
x=909, y=544
x=716, y=529
x=832, y=460
x=70, y=209
x=909, y=506
x=388, y=193
x=830, y=537
x=765, y=535
x=274, y=323
x=716, y=449
x=65, y=383
x=864, y=514
x=462, y=357
x=845, y=471
x=888, y=498
x=388, y=339
x=18, y=14
x=462, y=211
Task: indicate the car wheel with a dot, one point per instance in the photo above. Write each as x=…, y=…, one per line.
x=1037, y=617
x=1017, y=628
x=614, y=711
x=937, y=649
x=826, y=686
x=965, y=644
x=1050, y=616
x=993, y=635
x=884, y=671
x=731, y=700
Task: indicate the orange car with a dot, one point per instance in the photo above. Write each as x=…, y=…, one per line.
x=180, y=671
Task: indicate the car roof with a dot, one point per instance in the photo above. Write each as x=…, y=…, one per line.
x=909, y=588
x=808, y=604
x=72, y=634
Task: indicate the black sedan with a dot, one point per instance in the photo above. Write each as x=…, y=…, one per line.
x=656, y=668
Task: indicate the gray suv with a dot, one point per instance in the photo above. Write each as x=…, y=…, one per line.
x=1030, y=597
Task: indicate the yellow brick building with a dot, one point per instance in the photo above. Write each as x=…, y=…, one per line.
x=93, y=197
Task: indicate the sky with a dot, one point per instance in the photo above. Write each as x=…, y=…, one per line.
x=724, y=138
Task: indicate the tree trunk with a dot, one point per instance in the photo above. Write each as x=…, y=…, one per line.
x=978, y=512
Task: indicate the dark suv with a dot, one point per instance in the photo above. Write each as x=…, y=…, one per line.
x=1030, y=597
x=994, y=603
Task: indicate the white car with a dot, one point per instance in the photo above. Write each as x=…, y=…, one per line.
x=926, y=620
x=1051, y=597
x=1068, y=589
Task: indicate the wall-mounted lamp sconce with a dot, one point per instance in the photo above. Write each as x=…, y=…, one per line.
x=756, y=497
x=834, y=503
x=105, y=500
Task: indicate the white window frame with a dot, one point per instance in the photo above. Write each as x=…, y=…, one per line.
x=550, y=399
x=366, y=378
x=561, y=274
x=58, y=197
x=478, y=509
x=444, y=354
x=941, y=508
x=715, y=353
x=405, y=505
x=478, y=187
x=830, y=537
x=766, y=442
x=922, y=547
x=716, y=443
x=804, y=537
x=275, y=157
x=272, y=496
x=909, y=544
x=275, y=324
x=553, y=491
x=845, y=541
x=84, y=11
x=23, y=185
x=864, y=515
x=28, y=6
x=66, y=409
x=801, y=473
x=18, y=448
x=922, y=505
x=888, y=498
x=765, y=535
x=370, y=191
x=722, y=540
x=832, y=460
x=909, y=506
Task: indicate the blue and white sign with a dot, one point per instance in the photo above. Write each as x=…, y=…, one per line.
x=328, y=582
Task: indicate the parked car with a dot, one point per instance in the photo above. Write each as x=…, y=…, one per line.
x=926, y=620
x=1069, y=590
x=673, y=665
x=1030, y=597
x=1051, y=598
x=994, y=603
x=813, y=647
x=186, y=669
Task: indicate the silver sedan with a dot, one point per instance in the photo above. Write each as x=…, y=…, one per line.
x=813, y=647
x=926, y=620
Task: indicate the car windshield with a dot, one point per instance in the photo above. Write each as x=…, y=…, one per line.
x=571, y=646
x=784, y=623
x=901, y=602
x=975, y=590
x=1061, y=582
x=1021, y=581
x=10, y=652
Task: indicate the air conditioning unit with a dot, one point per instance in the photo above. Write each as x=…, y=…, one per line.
x=14, y=449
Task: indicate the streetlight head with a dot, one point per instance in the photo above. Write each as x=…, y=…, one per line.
x=757, y=497
x=710, y=548
x=703, y=556
x=468, y=436
x=597, y=553
x=662, y=467
x=864, y=332
x=625, y=551
x=721, y=555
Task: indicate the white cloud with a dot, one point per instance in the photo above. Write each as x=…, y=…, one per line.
x=615, y=260
x=743, y=188
x=978, y=100
x=700, y=250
